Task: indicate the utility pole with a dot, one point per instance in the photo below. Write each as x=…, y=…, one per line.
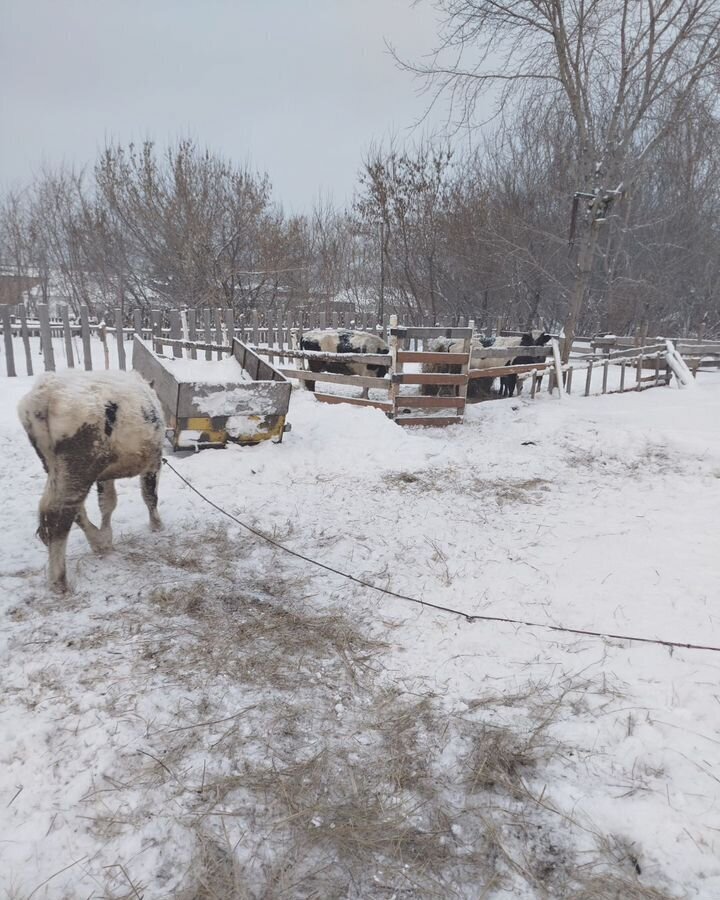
x=381, y=309
x=599, y=203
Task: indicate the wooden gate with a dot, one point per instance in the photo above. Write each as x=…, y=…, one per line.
x=405, y=407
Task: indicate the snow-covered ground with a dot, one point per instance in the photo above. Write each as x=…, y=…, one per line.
x=205, y=716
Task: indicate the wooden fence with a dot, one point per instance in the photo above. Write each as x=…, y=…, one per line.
x=210, y=331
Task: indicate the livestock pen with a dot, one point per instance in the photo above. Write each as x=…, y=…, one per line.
x=606, y=368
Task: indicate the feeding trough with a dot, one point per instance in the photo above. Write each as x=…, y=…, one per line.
x=239, y=398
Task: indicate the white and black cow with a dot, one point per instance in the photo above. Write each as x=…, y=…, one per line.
x=332, y=340
x=91, y=428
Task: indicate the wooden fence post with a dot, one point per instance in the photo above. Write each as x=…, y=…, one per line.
x=67, y=332
x=138, y=323
x=102, y=331
x=208, y=332
x=192, y=331
x=588, y=378
x=230, y=325
x=7, y=335
x=85, y=331
x=26, y=340
x=176, y=332
x=120, y=338
x=218, y=331
x=48, y=355
x=157, y=323
x=255, y=333
x=395, y=366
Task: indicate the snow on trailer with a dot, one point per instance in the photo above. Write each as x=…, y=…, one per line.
x=238, y=398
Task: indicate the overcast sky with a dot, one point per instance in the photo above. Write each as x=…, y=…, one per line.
x=298, y=88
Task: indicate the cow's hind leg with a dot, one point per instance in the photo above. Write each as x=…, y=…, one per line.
x=58, y=511
x=107, y=501
x=149, y=484
x=92, y=533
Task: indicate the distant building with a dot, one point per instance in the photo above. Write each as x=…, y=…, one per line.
x=14, y=288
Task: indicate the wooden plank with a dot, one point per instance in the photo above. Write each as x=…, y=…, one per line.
x=396, y=366
x=555, y=347
x=606, y=366
x=429, y=333
x=479, y=352
x=428, y=421
x=411, y=356
x=208, y=332
x=8, y=338
x=120, y=338
x=499, y=371
x=263, y=397
x=568, y=381
x=157, y=322
x=47, y=347
x=697, y=349
x=176, y=332
x=26, y=340
x=253, y=363
x=354, y=401
x=588, y=378
x=622, y=376
x=163, y=383
x=630, y=353
x=67, y=334
x=428, y=378
x=85, y=332
x=354, y=380
x=198, y=345
x=414, y=401
x=376, y=359
x=102, y=332
x=218, y=330
x=230, y=325
x=271, y=342
x=192, y=331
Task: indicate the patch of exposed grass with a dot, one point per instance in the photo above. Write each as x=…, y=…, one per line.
x=502, y=491
x=652, y=459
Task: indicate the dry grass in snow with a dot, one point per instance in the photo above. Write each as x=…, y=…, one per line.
x=258, y=749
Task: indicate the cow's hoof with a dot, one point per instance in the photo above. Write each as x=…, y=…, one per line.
x=156, y=525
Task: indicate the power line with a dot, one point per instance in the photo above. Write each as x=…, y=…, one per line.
x=469, y=617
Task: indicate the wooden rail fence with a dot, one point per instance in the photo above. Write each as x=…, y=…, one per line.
x=210, y=332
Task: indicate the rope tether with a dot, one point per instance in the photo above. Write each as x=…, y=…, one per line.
x=469, y=617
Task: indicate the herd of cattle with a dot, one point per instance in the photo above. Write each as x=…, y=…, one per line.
x=362, y=342
x=95, y=427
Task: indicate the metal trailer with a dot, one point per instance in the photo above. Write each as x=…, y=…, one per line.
x=245, y=409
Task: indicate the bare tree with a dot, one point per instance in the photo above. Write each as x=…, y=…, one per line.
x=625, y=70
